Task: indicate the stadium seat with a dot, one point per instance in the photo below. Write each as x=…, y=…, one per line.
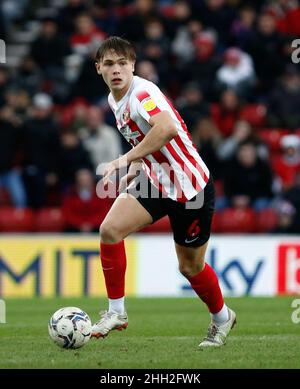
x=16, y=220
x=219, y=188
x=216, y=222
x=49, y=220
x=266, y=220
x=272, y=137
x=5, y=199
x=162, y=225
x=255, y=114
x=237, y=220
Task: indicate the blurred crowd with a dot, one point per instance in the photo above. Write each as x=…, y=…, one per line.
x=228, y=66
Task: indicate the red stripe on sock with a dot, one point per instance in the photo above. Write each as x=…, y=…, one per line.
x=206, y=285
x=113, y=260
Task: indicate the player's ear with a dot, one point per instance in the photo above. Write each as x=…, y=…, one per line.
x=98, y=68
x=133, y=66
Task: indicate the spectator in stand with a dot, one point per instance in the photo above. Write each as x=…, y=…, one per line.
x=74, y=115
x=10, y=152
x=86, y=36
x=132, y=26
x=104, y=16
x=288, y=16
x=284, y=100
x=89, y=85
x=227, y=112
x=68, y=14
x=155, y=48
x=12, y=11
x=266, y=51
x=248, y=178
x=207, y=138
x=5, y=81
x=218, y=15
x=41, y=146
x=182, y=44
x=292, y=195
x=179, y=17
x=101, y=141
x=29, y=76
x=287, y=165
x=49, y=49
x=19, y=102
x=242, y=30
x=147, y=70
x=202, y=68
x=286, y=218
x=192, y=105
x=72, y=157
x=227, y=149
x=82, y=209
x=242, y=131
x=3, y=27
x=237, y=72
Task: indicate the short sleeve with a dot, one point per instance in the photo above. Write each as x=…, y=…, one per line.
x=149, y=102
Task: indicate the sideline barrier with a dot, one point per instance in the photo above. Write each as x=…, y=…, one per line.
x=68, y=265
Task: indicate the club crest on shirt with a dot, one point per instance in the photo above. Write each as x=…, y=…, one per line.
x=149, y=104
x=130, y=136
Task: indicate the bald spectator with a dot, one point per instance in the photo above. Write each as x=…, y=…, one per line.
x=99, y=139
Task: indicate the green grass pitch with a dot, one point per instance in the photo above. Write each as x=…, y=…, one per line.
x=162, y=333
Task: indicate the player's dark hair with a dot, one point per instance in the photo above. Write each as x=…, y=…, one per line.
x=119, y=45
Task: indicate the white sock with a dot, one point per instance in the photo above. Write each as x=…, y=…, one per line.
x=222, y=316
x=117, y=305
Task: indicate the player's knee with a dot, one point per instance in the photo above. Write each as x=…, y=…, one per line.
x=109, y=233
x=190, y=268
x=185, y=270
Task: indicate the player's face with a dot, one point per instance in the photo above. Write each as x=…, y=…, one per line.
x=117, y=72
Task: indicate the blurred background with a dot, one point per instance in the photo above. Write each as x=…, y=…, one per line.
x=226, y=65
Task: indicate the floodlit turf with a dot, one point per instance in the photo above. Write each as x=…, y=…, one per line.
x=162, y=333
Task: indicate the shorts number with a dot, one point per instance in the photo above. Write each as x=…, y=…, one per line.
x=194, y=228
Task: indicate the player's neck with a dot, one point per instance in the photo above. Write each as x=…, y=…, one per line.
x=119, y=94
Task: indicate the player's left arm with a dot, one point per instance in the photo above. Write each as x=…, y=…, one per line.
x=163, y=130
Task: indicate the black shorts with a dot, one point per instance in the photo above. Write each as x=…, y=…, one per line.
x=191, y=221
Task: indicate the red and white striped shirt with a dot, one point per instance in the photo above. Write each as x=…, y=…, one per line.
x=176, y=169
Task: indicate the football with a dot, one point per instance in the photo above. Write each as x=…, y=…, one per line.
x=70, y=327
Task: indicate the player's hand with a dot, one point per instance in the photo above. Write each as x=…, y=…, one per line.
x=125, y=181
x=117, y=164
